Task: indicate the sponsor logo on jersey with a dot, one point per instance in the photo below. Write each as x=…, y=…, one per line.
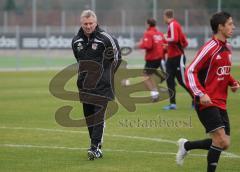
x=157, y=38
x=218, y=57
x=223, y=70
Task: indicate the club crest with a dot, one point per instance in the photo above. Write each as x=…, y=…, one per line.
x=94, y=46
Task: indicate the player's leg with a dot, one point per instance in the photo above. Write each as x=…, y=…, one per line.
x=149, y=69
x=216, y=123
x=162, y=72
x=180, y=65
x=181, y=61
x=171, y=73
x=163, y=65
x=88, y=110
x=98, y=126
x=198, y=144
x=97, y=132
x=207, y=117
x=220, y=141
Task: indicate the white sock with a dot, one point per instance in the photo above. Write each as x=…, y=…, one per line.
x=127, y=82
x=154, y=94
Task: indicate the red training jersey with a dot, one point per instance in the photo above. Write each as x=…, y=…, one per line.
x=209, y=73
x=153, y=42
x=173, y=39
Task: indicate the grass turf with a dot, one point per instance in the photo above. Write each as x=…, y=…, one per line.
x=31, y=140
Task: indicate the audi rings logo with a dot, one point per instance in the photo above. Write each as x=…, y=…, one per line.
x=223, y=70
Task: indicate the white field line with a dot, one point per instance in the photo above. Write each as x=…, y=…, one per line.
x=225, y=154
x=85, y=132
x=26, y=69
x=143, y=138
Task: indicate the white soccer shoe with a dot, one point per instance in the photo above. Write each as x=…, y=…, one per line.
x=182, y=153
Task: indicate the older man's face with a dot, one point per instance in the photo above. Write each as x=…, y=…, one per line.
x=88, y=24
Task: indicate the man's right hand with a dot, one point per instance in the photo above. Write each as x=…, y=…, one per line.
x=235, y=87
x=205, y=100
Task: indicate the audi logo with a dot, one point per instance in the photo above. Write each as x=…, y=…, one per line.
x=223, y=70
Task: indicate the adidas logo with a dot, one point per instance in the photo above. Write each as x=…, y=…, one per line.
x=218, y=57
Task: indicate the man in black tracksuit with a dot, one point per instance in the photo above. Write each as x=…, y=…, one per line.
x=98, y=56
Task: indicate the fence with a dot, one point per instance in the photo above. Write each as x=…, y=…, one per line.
x=55, y=38
x=119, y=17
x=55, y=29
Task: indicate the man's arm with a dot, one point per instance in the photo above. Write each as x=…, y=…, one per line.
x=173, y=36
x=146, y=42
x=118, y=58
x=164, y=46
x=191, y=74
x=112, y=51
x=234, y=84
x=74, y=48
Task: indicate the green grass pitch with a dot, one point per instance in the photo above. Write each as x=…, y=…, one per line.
x=31, y=140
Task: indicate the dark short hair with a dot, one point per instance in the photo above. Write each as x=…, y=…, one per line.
x=169, y=13
x=151, y=22
x=219, y=18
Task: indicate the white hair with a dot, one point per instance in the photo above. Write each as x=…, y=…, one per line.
x=87, y=14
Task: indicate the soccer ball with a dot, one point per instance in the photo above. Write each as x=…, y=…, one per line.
x=125, y=82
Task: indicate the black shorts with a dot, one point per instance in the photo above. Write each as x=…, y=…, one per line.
x=151, y=66
x=213, y=118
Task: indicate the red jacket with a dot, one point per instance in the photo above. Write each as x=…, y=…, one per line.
x=209, y=73
x=174, y=33
x=152, y=42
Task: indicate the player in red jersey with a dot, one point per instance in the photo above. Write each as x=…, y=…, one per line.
x=175, y=64
x=208, y=78
x=154, y=44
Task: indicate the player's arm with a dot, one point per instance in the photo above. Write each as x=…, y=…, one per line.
x=74, y=48
x=146, y=42
x=165, y=46
x=191, y=75
x=118, y=55
x=205, y=100
x=173, y=37
x=234, y=84
x=112, y=51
